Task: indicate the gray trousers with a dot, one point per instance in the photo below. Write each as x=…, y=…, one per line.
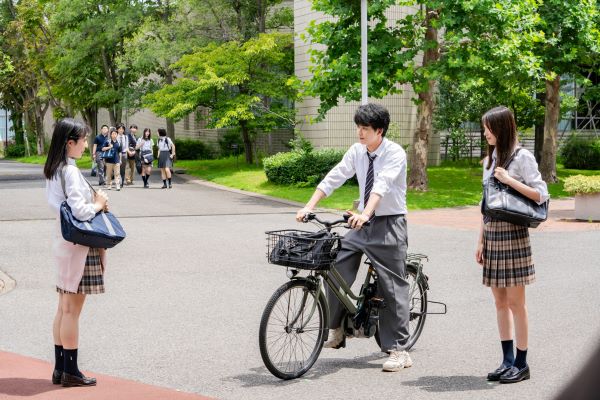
x=100, y=168
x=123, y=166
x=385, y=242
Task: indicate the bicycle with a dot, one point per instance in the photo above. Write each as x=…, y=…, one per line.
x=294, y=324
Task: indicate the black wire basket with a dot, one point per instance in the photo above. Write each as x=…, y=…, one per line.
x=301, y=249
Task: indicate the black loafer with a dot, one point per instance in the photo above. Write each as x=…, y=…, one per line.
x=497, y=373
x=69, y=380
x=514, y=375
x=56, y=377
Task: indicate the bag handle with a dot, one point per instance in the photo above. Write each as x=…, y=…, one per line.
x=510, y=159
x=62, y=180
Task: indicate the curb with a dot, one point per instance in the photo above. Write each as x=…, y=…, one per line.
x=6, y=283
x=203, y=182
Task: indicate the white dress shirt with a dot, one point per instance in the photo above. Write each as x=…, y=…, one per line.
x=80, y=197
x=523, y=168
x=123, y=140
x=389, y=170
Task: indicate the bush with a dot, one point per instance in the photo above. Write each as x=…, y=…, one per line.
x=226, y=142
x=187, y=149
x=16, y=151
x=301, y=167
x=580, y=184
x=580, y=153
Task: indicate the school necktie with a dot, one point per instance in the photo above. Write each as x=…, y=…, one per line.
x=370, y=179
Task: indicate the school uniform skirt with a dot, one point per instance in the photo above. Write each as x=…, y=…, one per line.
x=92, y=281
x=164, y=159
x=507, y=258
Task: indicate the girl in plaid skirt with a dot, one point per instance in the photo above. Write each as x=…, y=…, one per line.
x=80, y=268
x=504, y=250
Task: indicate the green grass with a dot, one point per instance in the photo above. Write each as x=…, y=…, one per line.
x=450, y=185
x=85, y=162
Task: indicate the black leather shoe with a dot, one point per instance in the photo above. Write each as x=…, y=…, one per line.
x=56, y=376
x=69, y=380
x=497, y=373
x=515, y=374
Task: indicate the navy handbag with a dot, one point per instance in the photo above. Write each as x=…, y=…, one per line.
x=103, y=231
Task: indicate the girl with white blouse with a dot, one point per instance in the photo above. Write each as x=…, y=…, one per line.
x=79, y=268
x=146, y=144
x=504, y=249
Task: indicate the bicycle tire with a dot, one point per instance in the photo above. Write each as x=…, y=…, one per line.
x=287, y=302
x=417, y=309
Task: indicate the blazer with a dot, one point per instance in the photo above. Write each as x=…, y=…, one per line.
x=70, y=258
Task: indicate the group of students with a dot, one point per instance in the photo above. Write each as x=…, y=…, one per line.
x=503, y=249
x=116, y=153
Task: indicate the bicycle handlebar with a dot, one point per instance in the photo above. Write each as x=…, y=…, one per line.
x=330, y=224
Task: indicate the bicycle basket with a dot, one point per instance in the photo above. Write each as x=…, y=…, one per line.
x=301, y=249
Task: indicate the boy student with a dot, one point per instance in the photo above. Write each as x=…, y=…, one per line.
x=380, y=167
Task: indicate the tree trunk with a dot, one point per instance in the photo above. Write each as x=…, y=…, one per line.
x=17, y=123
x=548, y=164
x=418, y=167
x=89, y=116
x=247, y=142
x=170, y=123
x=539, y=132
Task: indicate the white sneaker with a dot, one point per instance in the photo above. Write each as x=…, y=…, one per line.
x=336, y=340
x=397, y=361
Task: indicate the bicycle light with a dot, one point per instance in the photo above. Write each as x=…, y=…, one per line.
x=291, y=273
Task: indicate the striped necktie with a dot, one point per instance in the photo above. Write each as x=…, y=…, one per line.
x=370, y=179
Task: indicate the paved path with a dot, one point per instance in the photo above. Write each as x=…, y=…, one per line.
x=186, y=289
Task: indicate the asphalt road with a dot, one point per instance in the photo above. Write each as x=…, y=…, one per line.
x=186, y=289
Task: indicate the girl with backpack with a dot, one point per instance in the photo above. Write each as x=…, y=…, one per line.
x=166, y=154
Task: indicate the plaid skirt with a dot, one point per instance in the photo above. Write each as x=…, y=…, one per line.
x=506, y=255
x=92, y=281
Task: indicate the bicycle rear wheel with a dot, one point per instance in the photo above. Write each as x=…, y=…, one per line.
x=292, y=329
x=418, y=307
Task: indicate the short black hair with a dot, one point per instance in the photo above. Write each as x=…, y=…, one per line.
x=104, y=126
x=374, y=115
x=133, y=126
x=162, y=132
x=121, y=125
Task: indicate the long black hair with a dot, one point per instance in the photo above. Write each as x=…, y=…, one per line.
x=149, y=134
x=64, y=130
x=501, y=122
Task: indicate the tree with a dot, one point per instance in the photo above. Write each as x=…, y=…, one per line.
x=570, y=46
x=243, y=84
x=25, y=37
x=90, y=50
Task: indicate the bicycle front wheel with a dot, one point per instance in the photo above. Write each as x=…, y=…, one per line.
x=292, y=329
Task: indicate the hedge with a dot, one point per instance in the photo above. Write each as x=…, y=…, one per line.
x=301, y=167
x=580, y=153
x=193, y=150
x=580, y=184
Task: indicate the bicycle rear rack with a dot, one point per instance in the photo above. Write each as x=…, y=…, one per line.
x=430, y=313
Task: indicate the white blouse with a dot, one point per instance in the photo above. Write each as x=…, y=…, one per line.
x=523, y=168
x=164, y=143
x=80, y=197
x=145, y=144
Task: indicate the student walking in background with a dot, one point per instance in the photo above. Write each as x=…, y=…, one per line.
x=112, y=159
x=97, y=153
x=145, y=145
x=131, y=153
x=504, y=249
x=124, y=145
x=80, y=268
x=166, y=153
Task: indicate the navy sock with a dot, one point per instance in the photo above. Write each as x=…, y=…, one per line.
x=169, y=181
x=521, y=360
x=164, y=182
x=71, y=363
x=145, y=179
x=59, y=358
x=508, y=352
